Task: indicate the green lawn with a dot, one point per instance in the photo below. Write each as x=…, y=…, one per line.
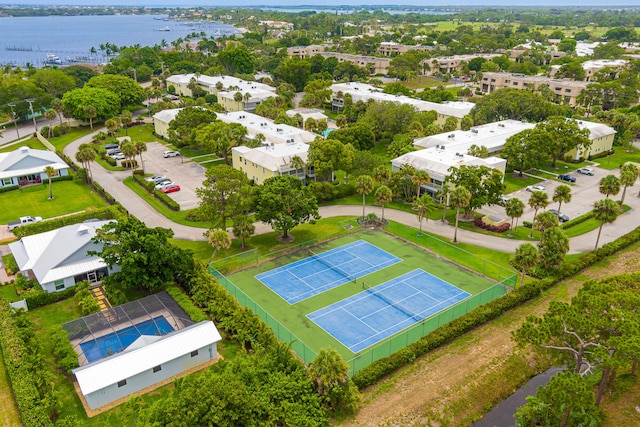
x=8, y=292
x=620, y=157
x=69, y=197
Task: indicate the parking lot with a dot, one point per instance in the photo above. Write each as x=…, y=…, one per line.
x=584, y=194
x=188, y=175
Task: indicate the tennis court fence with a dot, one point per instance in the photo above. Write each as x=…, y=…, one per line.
x=253, y=257
x=384, y=349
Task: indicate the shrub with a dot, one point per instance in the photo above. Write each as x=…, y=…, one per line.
x=23, y=284
x=186, y=304
x=66, y=357
x=129, y=164
x=147, y=185
x=12, y=188
x=324, y=191
x=496, y=229
x=111, y=212
x=166, y=200
x=38, y=298
x=10, y=265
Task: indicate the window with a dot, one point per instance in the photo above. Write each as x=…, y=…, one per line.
x=122, y=383
x=515, y=83
x=157, y=368
x=567, y=90
x=194, y=353
x=6, y=181
x=59, y=284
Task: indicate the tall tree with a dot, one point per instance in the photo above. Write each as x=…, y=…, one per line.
x=553, y=247
x=539, y=199
x=129, y=151
x=562, y=194
x=526, y=257
x=106, y=103
x=514, y=208
x=423, y=205
x=459, y=198
x=483, y=183
x=383, y=195
x=325, y=155
x=50, y=114
x=90, y=112
x=50, y=172
x=527, y=149
x=545, y=221
x=220, y=138
x=420, y=178
x=628, y=177
x=283, y=202
x=605, y=211
x=140, y=147
x=565, y=135
x=183, y=127
x=243, y=228
x=609, y=185
x=126, y=118
x=364, y=186
x=220, y=195
x=128, y=91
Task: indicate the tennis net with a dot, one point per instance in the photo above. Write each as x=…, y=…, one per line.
x=321, y=259
x=393, y=304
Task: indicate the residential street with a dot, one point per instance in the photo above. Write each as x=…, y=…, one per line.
x=585, y=191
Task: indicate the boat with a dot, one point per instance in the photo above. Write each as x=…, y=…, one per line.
x=164, y=29
x=52, y=59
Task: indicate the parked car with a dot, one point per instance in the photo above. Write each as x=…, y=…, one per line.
x=113, y=151
x=111, y=146
x=586, y=171
x=569, y=178
x=24, y=220
x=171, y=188
x=561, y=217
x=117, y=156
x=504, y=200
x=532, y=188
x=161, y=184
x=170, y=153
x=156, y=178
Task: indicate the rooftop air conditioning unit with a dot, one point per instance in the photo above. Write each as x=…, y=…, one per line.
x=451, y=136
x=501, y=125
x=474, y=130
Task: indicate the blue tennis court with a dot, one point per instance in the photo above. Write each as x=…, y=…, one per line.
x=376, y=313
x=320, y=272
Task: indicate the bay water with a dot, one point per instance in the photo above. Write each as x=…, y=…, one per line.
x=30, y=39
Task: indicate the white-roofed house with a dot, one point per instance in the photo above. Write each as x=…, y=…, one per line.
x=250, y=97
x=213, y=84
x=601, y=137
x=275, y=133
x=162, y=119
x=25, y=166
x=272, y=160
x=58, y=259
x=136, y=347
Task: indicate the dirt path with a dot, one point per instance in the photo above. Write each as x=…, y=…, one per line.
x=447, y=386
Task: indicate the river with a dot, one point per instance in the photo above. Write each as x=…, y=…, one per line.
x=29, y=39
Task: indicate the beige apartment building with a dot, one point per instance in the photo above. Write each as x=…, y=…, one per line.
x=393, y=49
x=449, y=64
x=374, y=64
x=566, y=90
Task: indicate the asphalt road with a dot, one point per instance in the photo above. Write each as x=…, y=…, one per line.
x=190, y=176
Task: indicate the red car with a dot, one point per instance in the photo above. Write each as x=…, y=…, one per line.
x=171, y=188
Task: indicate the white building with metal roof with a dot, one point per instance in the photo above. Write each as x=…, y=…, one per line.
x=272, y=160
x=58, y=259
x=25, y=166
x=273, y=133
x=213, y=84
x=149, y=360
x=364, y=92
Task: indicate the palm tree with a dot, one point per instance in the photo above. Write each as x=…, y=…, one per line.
x=420, y=178
x=606, y=211
x=364, y=186
x=126, y=118
x=383, y=195
x=237, y=97
x=628, y=177
x=515, y=209
x=545, y=221
x=219, y=239
x=92, y=51
x=243, y=228
x=58, y=106
x=381, y=174
x=129, y=151
x=112, y=126
x=51, y=172
x=423, y=205
x=562, y=194
x=91, y=112
x=85, y=155
x=140, y=147
x=609, y=185
x=459, y=198
x=50, y=114
x=538, y=199
x=443, y=196
x=296, y=161
x=526, y=257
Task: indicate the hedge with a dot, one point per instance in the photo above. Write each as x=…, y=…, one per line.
x=66, y=357
x=147, y=185
x=482, y=314
x=18, y=356
x=38, y=298
x=111, y=212
x=186, y=304
x=166, y=200
x=12, y=188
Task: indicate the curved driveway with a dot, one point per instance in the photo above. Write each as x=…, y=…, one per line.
x=113, y=183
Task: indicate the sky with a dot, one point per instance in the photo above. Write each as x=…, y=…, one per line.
x=222, y=3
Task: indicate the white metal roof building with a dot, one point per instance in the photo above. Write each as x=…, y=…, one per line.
x=58, y=259
x=275, y=133
x=148, y=361
x=272, y=160
x=211, y=83
x=26, y=166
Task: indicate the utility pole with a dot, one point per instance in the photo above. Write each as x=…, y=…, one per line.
x=33, y=115
x=13, y=113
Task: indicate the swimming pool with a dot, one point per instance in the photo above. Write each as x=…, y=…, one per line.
x=119, y=340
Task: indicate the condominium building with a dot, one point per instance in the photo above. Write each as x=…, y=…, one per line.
x=214, y=84
x=566, y=90
x=450, y=64
x=393, y=49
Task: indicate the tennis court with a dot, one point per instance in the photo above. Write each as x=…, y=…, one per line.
x=378, y=312
x=318, y=273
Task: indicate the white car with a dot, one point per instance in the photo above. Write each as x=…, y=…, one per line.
x=586, y=171
x=160, y=185
x=156, y=178
x=170, y=153
x=532, y=188
x=117, y=156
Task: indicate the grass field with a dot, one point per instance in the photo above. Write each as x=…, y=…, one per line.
x=294, y=316
x=69, y=197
